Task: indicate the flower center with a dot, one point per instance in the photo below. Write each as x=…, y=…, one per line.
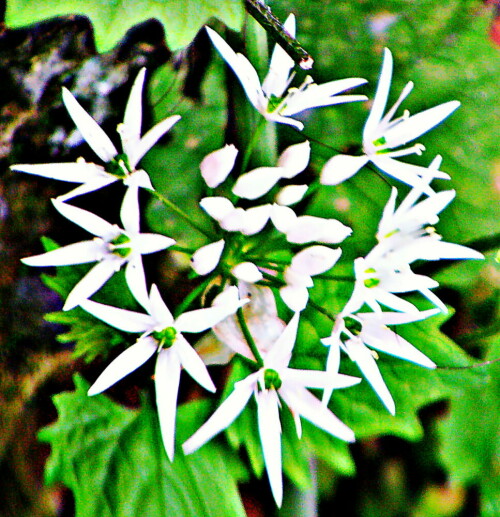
x=165, y=337
x=118, y=245
x=119, y=166
x=371, y=281
x=272, y=379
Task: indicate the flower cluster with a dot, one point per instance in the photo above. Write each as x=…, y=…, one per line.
x=264, y=258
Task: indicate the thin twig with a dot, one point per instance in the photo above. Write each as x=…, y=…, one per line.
x=262, y=13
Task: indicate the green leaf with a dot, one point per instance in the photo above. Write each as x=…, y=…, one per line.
x=175, y=167
x=113, y=460
x=470, y=441
x=111, y=19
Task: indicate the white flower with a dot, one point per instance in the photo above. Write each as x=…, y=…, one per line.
x=161, y=334
x=406, y=235
x=111, y=248
x=378, y=280
x=305, y=264
x=217, y=165
x=274, y=100
x=382, y=134
x=354, y=333
x=260, y=181
x=117, y=166
x=275, y=381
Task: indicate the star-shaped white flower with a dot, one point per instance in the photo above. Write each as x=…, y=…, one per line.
x=274, y=99
x=275, y=381
x=406, y=233
x=354, y=333
x=118, y=166
x=383, y=136
x=380, y=281
x=162, y=335
x=112, y=248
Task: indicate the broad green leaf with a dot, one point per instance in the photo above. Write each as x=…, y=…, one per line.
x=113, y=460
x=111, y=19
x=470, y=438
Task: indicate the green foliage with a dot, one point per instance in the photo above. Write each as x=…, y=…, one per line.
x=182, y=20
x=91, y=337
x=470, y=441
x=113, y=460
x=174, y=168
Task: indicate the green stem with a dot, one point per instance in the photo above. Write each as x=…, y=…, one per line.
x=322, y=310
x=248, y=336
x=191, y=297
x=251, y=144
x=180, y=212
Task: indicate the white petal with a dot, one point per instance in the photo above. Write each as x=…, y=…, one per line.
x=203, y=319
x=89, y=128
x=167, y=377
x=419, y=124
x=295, y=297
x=308, y=228
x=381, y=95
x=258, y=182
x=247, y=271
x=146, y=243
x=317, y=379
x=91, y=282
x=128, y=321
x=291, y=194
x=128, y=361
x=315, y=260
x=309, y=407
x=73, y=172
x=150, y=139
x=193, y=364
x=130, y=214
x=405, y=172
x=140, y=178
x=223, y=415
x=159, y=310
x=270, y=438
x=136, y=280
x=340, y=168
x=206, y=258
x=216, y=166
x=367, y=364
x=87, y=220
x=255, y=218
x=279, y=355
x=132, y=119
x=385, y=340
x=276, y=81
x=78, y=253
x=283, y=217
x=90, y=186
x=241, y=67
x=295, y=159
x=217, y=207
